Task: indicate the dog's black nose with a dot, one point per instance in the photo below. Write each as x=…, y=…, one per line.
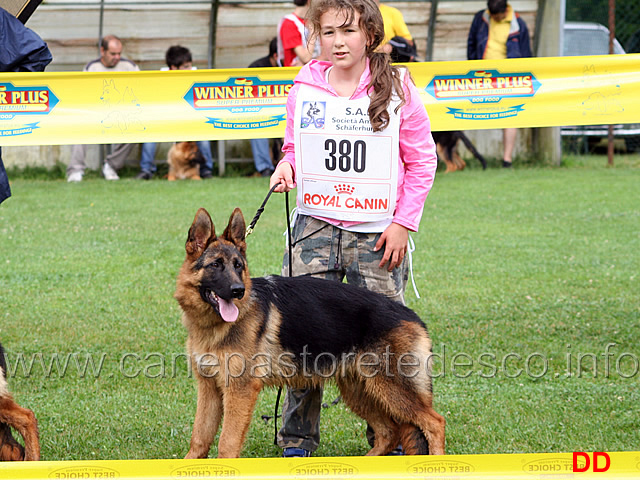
x=237, y=290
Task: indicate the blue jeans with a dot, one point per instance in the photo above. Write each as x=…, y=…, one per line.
x=147, y=163
x=261, y=154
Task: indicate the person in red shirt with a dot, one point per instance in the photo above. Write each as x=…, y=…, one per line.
x=293, y=48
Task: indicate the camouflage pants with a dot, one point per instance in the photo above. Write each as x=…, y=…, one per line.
x=324, y=251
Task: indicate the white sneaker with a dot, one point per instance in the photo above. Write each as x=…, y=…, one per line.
x=75, y=176
x=109, y=173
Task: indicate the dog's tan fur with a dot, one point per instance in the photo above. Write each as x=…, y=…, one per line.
x=182, y=161
x=447, y=149
x=454, y=163
x=23, y=420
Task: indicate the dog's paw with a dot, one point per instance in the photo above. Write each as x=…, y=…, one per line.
x=11, y=451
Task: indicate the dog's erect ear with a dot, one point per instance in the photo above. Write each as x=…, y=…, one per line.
x=236, y=231
x=201, y=234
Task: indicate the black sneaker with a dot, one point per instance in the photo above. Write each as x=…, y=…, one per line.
x=267, y=172
x=144, y=176
x=206, y=174
x=290, y=452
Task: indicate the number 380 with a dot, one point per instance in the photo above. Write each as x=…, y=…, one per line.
x=345, y=156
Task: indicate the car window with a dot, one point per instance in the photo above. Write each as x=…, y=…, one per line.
x=587, y=42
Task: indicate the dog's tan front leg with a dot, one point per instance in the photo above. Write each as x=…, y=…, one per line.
x=23, y=420
x=28, y=428
x=239, y=402
x=207, y=421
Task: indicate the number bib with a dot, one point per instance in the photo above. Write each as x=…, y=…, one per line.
x=344, y=170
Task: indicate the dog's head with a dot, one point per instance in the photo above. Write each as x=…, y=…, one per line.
x=217, y=264
x=110, y=94
x=186, y=153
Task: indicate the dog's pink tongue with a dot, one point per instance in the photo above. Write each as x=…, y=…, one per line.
x=228, y=310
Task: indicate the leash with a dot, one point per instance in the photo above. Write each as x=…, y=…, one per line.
x=248, y=232
x=253, y=222
x=259, y=212
x=290, y=247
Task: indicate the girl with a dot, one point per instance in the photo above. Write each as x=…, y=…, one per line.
x=358, y=147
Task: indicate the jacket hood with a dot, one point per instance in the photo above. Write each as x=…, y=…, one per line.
x=314, y=73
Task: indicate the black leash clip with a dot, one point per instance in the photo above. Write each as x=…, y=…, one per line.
x=259, y=212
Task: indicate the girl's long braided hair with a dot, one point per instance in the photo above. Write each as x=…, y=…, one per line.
x=386, y=80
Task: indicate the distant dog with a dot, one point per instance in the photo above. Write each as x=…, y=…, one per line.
x=184, y=160
x=248, y=333
x=22, y=419
x=447, y=149
x=402, y=50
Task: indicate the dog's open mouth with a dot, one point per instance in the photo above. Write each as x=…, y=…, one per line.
x=226, y=308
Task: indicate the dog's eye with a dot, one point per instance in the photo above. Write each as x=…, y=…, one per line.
x=238, y=265
x=214, y=264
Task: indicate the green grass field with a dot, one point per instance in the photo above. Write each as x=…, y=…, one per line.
x=529, y=284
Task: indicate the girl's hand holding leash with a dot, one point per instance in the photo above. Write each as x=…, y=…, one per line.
x=395, y=240
x=283, y=175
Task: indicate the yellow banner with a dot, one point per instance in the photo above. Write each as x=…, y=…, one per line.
x=132, y=107
x=598, y=465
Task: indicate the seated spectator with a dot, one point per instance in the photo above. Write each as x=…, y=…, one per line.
x=177, y=58
x=110, y=61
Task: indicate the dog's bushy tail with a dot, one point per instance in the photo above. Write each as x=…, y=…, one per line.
x=413, y=440
x=472, y=148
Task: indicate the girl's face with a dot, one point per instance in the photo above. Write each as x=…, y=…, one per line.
x=344, y=45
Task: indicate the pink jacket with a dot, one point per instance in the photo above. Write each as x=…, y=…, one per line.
x=418, y=160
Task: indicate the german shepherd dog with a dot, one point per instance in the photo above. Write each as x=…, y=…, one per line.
x=447, y=149
x=22, y=419
x=184, y=161
x=248, y=333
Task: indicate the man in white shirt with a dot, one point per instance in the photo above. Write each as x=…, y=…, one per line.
x=110, y=61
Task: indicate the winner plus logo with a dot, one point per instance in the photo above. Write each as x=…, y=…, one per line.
x=238, y=94
x=241, y=103
x=19, y=103
x=25, y=101
x=484, y=87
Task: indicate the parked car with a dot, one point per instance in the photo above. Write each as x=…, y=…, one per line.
x=587, y=38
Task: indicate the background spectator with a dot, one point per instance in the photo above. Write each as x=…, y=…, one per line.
x=394, y=26
x=177, y=58
x=402, y=51
x=260, y=146
x=110, y=61
x=293, y=48
x=497, y=33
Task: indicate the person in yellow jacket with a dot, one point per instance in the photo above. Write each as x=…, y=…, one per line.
x=394, y=26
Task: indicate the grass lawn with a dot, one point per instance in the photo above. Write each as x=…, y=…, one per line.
x=529, y=284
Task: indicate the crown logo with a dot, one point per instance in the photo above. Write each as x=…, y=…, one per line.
x=344, y=188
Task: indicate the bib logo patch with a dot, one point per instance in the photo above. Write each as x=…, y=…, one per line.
x=313, y=115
